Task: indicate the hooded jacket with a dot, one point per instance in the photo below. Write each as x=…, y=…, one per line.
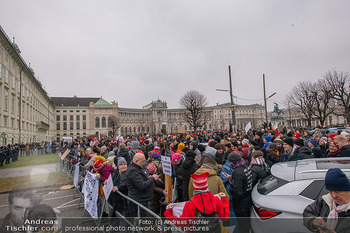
x=215, y=184
x=188, y=168
x=123, y=153
x=206, y=203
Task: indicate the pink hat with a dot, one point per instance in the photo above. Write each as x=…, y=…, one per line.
x=200, y=182
x=176, y=157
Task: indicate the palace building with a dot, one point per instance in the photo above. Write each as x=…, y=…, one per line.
x=28, y=114
x=26, y=111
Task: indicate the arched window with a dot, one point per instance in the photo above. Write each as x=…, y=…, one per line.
x=64, y=125
x=97, y=122
x=103, y=122
x=109, y=122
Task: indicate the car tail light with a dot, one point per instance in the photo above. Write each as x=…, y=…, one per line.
x=264, y=213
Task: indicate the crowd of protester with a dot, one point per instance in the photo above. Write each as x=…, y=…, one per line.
x=12, y=152
x=233, y=163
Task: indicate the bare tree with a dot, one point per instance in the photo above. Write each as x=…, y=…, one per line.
x=303, y=98
x=324, y=103
x=113, y=123
x=339, y=83
x=194, y=104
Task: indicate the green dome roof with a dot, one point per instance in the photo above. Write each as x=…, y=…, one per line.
x=102, y=102
x=15, y=46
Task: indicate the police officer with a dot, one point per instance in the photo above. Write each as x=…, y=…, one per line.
x=2, y=156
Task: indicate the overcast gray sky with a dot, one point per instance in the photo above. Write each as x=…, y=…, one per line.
x=136, y=51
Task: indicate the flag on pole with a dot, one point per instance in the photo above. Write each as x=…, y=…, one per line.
x=248, y=127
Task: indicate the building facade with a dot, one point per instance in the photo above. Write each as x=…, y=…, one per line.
x=88, y=117
x=26, y=111
x=28, y=114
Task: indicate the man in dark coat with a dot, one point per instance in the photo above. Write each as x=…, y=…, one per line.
x=290, y=154
x=331, y=212
x=341, y=142
x=140, y=186
x=258, y=139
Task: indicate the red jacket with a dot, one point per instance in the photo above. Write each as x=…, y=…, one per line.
x=206, y=203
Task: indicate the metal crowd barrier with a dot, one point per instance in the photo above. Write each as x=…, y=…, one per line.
x=136, y=221
x=66, y=167
x=79, y=188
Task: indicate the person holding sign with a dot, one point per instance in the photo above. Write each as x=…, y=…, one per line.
x=140, y=186
x=119, y=181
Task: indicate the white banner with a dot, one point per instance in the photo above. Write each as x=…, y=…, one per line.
x=90, y=194
x=76, y=175
x=166, y=164
x=107, y=188
x=248, y=127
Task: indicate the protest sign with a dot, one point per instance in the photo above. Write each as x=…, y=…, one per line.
x=107, y=188
x=90, y=194
x=166, y=164
x=76, y=175
x=65, y=154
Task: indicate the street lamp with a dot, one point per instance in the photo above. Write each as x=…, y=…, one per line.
x=265, y=100
x=3, y=136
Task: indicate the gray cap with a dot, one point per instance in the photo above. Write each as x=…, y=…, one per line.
x=234, y=156
x=121, y=161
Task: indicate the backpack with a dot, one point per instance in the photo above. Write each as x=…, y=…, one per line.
x=210, y=224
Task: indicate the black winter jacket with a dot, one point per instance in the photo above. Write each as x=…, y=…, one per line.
x=125, y=154
x=259, y=172
x=272, y=158
x=118, y=202
x=292, y=157
x=242, y=182
x=188, y=168
x=321, y=208
x=344, y=151
x=140, y=187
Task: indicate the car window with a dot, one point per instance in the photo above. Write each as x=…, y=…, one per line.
x=269, y=183
x=313, y=190
x=324, y=191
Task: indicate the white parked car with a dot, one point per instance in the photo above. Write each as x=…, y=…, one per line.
x=280, y=199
